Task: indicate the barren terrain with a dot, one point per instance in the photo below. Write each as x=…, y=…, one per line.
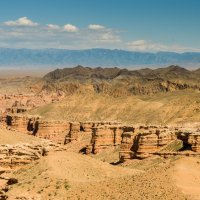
x=48, y=125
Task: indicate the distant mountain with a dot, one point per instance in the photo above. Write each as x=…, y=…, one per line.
x=94, y=58
x=116, y=81
x=81, y=72
x=85, y=73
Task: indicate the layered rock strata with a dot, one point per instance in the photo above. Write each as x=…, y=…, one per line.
x=63, y=132
x=104, y=136
x=21, y=154
x=53, y=130
x=194, y=140
x=136, y=141
x=146, y=141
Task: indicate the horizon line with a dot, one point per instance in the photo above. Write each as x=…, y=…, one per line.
x=111, y=49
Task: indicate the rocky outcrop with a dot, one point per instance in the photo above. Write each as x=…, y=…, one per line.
x=19, y=103
x=152, y=139
x=19, y=122
x=105, y=135
x=152, y=86
x=126, y=146
x=13, y=157
x=121, y=82
x=147, y=141
x=21, y=154
x=144, y=141
x=63, y=132
x=136, y=141
x=194, y=140
x=53, y=130
x=74, y=129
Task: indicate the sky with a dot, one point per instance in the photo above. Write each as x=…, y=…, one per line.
x=135, y=25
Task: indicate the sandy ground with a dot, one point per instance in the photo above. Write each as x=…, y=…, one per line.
x=186, y=174
x=67, y=175
x=16, y=137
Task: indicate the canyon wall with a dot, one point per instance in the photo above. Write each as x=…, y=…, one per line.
x=194, y=140
x=146, y=141
x=104, y=135
x=135, y=141
x=33, y=125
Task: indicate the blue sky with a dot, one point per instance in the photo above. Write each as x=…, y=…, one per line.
x=139, y=25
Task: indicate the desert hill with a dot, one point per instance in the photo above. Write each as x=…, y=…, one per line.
x=116, y=81
x=162, y=96
x=79, y=71
x=173, y=107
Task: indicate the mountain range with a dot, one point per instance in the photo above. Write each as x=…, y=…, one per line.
x=85, y=73
x=94, y=58
x=116, y=81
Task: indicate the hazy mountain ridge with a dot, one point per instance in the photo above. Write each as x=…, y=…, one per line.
x=93, y=57
x=80, y=72
x=118, y=82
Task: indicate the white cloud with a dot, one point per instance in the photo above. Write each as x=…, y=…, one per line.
x=18, y=34
x=23, y=21
x=53, y=27
x=148, y=45
x=70, y=28
x=109, y=37
x=96, y=27
x=21, y=34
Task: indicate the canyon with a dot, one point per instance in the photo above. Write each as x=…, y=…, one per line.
x=98, y=125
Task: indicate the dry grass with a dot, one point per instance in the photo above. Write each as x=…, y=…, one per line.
x=165, y=108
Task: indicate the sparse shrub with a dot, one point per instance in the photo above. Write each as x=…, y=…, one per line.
x=66, y=185
x=57, y=187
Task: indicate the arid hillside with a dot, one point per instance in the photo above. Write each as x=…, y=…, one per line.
x=161, y=96
x=167, y=108
x=121, y=82
x=103, y=133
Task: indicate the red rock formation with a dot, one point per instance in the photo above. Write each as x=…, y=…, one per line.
x=144, y=141
x=103, y=136
x=53, y=130
x=126, y=146
x=74, y=130
x=18, y=103
x=136, y=142
x=147, y=141
x=194, y=140
x=17, y=122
